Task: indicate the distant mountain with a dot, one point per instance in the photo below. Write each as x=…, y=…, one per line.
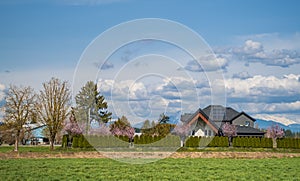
x=264, y=124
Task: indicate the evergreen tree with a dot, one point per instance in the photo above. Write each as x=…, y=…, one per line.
x=91, y=105
x=163, y=119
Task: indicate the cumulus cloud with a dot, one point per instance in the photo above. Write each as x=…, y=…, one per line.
x=253, y=51
x=283, y=107
x=266, y=95
x=254, y=94
x=207, y=63
x=141, y=99
x=266, y=89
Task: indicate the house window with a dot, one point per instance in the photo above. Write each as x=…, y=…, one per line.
x=247, y=123
x=209, y=132
x=193, y=132
x=205, y=132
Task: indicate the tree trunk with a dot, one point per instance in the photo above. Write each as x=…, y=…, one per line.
x=17, y=141
x=17, y=144
x=229, y=141
x=182, y=141
x=52, y=139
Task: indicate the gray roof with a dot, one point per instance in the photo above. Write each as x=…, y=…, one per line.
x=219, y=113
x=188, y=117
x=247, y=130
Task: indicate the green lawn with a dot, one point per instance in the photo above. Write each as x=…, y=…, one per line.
x=167, y=169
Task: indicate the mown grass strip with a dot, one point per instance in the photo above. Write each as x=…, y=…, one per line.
x=167, y=169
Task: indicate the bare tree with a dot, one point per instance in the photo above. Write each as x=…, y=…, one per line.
x=19, y=107
x=53, y=105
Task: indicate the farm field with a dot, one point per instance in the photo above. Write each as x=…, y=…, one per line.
x=166, y=169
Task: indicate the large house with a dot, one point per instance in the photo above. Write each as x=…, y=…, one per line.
x=209, y=121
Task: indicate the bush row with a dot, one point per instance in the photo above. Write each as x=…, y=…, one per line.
x=288, y=143
x=121, y=141
x=174, y=141
x=253, y=142
x=217, y=141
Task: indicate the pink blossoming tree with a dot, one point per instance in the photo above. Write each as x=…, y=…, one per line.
x=230, y=131
x=122, y=128
x=102, y=129
x=71, y=126
x=274, y=132
x=182, y=131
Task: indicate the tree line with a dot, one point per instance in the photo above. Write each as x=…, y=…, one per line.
x=51, y=107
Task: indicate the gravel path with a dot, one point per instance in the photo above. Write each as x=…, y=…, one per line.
x=251, y=155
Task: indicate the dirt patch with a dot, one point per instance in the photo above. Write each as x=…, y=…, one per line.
x=251, y=155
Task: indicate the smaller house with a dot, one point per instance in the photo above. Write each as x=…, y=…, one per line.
x=36, y=136
x=209, y=121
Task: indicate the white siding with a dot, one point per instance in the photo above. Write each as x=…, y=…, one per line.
x=201, y=131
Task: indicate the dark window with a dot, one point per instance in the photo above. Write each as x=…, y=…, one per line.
x=205, y=132
x=247, y=123
x=209, y=132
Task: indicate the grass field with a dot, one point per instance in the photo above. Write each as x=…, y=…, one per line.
x=167, y=169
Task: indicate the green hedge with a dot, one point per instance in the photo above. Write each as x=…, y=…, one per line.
x=192, y=141
x=64, y=141
x=157, y=141
x=174, y=141
x=217, y=141
x=288, y=143
x=252, y=142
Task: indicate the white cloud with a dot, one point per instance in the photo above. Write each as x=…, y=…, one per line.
x=283, y=107
x=253, y=51
x=207, y=63
x=262, y=87
x=146, y=100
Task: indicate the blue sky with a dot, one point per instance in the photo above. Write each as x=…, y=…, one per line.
x=257, y=43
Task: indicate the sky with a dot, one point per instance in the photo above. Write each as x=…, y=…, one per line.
x=254, y=67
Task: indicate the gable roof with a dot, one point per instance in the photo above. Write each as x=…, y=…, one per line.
x=191, y=118
x=215, y=115
x=218, y=113
x=245, y=114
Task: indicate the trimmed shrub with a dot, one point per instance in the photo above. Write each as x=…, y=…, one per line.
x=236, y=142
x=64, y=143
x=75, y=142
x=192, y=141
x=80, y=141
